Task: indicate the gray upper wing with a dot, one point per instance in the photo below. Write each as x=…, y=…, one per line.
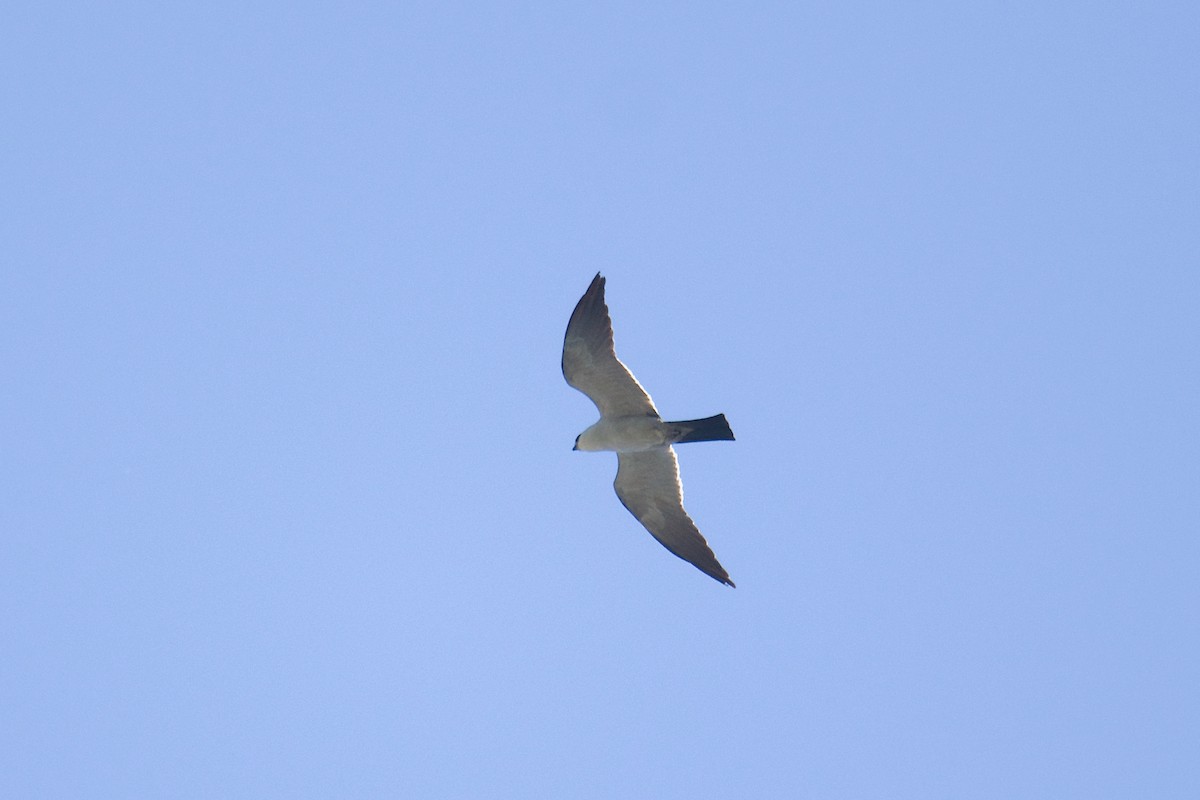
x=648, y=484
x=590, y=364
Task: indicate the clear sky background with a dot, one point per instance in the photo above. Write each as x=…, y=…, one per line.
x=289, y=507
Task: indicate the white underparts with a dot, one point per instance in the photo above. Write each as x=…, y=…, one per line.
x=626, y=434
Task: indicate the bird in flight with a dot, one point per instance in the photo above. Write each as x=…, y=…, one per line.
x=647, y=473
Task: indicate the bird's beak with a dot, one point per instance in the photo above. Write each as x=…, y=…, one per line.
x=575, y=446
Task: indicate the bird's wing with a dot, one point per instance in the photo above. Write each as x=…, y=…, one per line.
x=590, y=364
x=648, y=484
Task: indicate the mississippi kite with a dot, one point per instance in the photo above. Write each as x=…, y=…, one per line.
x=647, y=473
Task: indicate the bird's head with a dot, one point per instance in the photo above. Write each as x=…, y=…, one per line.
x=593, y=439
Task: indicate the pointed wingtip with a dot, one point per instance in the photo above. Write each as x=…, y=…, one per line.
x=594, y=291
x=719, y=575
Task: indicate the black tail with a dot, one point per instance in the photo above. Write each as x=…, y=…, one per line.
x=709, y=429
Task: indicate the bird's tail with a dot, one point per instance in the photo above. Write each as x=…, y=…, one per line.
x=709, y=429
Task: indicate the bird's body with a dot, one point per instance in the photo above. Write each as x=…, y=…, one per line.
x=630, y=434
x=647, y=480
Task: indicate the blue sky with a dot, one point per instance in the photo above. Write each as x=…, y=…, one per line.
x=289, y=504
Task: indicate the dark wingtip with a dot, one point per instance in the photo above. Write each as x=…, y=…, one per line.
x=716, y=572
x=594, y=294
